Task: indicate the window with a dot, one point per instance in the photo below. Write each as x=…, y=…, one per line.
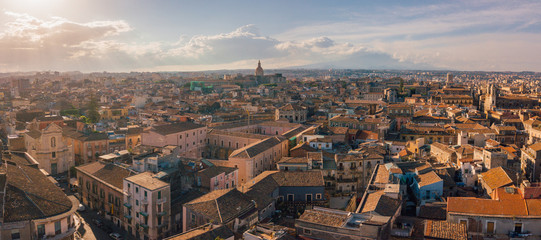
x=307, y=231
x=490, y=227
x=136, y=190
x=53, y=154
x=159, y=195
x=464, y=222
x=518, y=227
x=308, y=197
x=136, y=202
x=57, y=228
x=193, y=218
x=41, y=230
x=145, y=194
x=318, y=196
x=53, y=142
x=290, y=197
x=15, y=235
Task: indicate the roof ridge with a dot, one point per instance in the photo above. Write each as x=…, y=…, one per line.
x=218, y=208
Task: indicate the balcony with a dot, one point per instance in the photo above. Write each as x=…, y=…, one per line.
x=162, y=213
x=144, y=226
x=144, y=201
x=128, y=217
x=127, y=205
x=145, y=214
x=163, y=225
x=519, y=234
x=160, y=201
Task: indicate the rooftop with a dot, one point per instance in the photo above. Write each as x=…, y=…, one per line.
x=147, y=180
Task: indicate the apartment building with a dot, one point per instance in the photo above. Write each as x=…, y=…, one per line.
x=147, y=206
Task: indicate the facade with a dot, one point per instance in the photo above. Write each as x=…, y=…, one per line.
x=32, y=207
x=290, y=189
x=494, y=157
x=49, y=149
x=427, y=187
x=256, y=158
x=531, y=162
x=190, y=137
x=147, y=206
x=506, y=216
x=222, y=143
x=101, y=188
x=87, y=147
x=292, y=112
x=216, y=178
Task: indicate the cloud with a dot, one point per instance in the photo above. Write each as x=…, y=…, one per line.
x=456, y=35
x=29, y=43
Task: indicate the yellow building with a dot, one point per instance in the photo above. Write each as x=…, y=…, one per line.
x=113, y=113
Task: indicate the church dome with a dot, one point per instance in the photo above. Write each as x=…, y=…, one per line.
x=259, y=69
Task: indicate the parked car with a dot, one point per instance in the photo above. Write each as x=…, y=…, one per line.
x=115, y=236
x=81, y=208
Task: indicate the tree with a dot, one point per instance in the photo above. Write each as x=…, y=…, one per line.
x=92, y=113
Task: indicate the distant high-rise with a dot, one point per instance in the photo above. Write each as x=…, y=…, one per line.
x=259, y=69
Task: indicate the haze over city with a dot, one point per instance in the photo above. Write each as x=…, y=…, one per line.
x=270, y=120
x=62, y=35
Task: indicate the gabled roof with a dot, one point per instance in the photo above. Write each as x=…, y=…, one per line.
x=427, y=178
x=207, y=231
x=381, y=204
x=175, y=128
x=445, y=230
x=506, y=207
x=35, y=134
x=107, y=172
x=221, y=206
x=253, y=150
x=496, y=177
x=261, y=187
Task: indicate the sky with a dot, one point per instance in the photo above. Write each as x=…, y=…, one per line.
x=167, y=35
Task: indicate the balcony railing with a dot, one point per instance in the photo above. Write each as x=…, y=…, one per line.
x=519, y=234
x=161, y=200
x=127, y=205
x=162, y=213
x=143, y=213
x=144, y=201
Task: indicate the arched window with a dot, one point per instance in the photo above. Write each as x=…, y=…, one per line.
x=53, y=142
